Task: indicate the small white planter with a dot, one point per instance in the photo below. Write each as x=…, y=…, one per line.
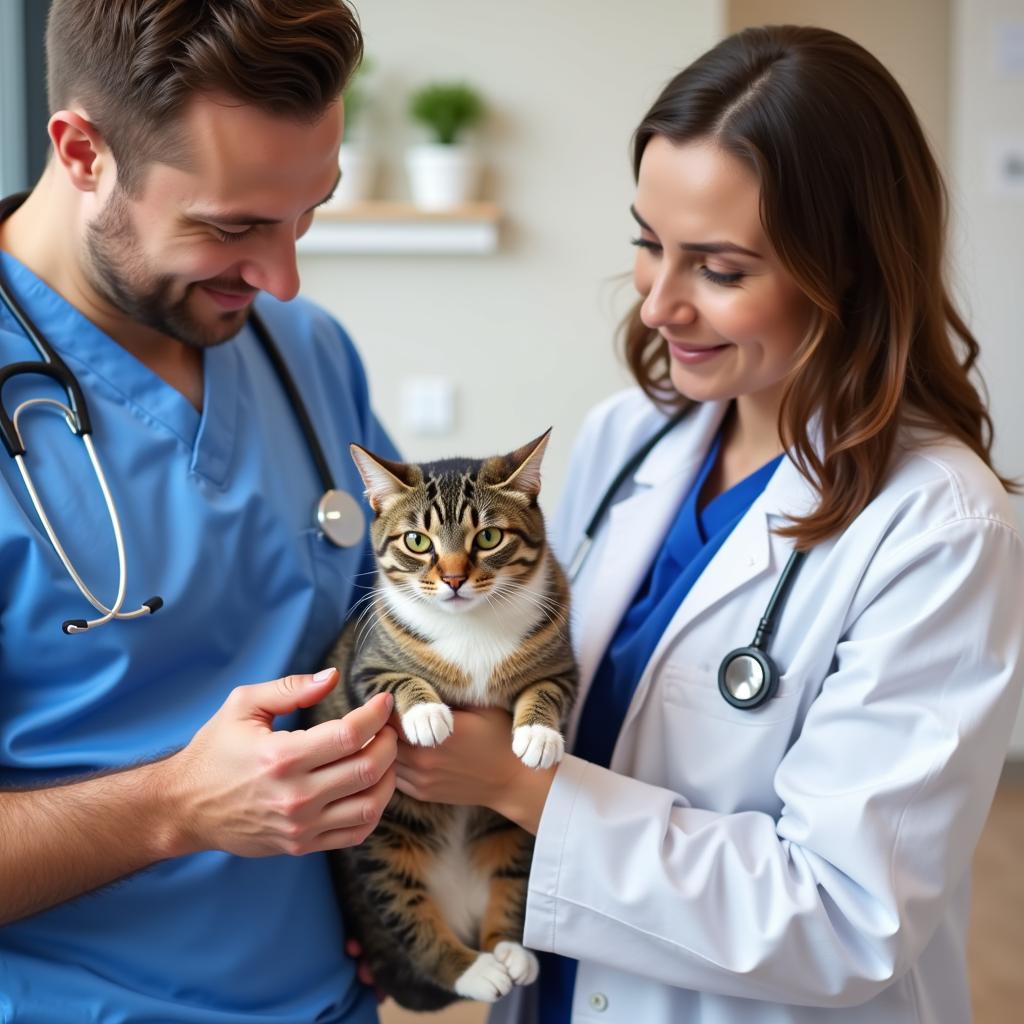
x=441, y=177
x=358, y=168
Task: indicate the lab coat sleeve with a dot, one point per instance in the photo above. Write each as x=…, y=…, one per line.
x=884, y=795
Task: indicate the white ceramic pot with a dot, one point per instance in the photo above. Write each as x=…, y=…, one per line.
x=441, y=177
x=358, y=166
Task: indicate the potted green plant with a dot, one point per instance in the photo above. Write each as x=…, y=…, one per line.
x=443, y=172
x=356, y=158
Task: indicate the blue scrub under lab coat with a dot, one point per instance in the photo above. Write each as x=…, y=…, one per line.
x=217, y=512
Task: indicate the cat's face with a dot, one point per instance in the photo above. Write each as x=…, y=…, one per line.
x=458, y=533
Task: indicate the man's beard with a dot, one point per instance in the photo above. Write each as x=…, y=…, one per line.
x=116, y=268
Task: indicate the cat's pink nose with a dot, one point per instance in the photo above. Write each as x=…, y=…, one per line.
x=454, y=581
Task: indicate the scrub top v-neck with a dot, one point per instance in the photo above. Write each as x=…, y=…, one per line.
x=217, y=511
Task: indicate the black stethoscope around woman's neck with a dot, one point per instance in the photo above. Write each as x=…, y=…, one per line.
x=338, y=515
x=747, y=676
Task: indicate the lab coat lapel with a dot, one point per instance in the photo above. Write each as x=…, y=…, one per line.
x=748, y=553
x=636, y=528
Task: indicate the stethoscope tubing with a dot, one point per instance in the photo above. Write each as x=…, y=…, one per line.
x=338, y=515
x=628, y=469
x=284, y=375
x=756, y=653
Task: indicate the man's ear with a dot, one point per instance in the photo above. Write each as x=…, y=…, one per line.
x=80, y=149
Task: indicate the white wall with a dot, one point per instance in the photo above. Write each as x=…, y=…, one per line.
x=988, y=105
x=527, y=333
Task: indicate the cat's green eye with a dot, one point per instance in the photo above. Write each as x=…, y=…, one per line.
x=489, y=538
x=419, y=543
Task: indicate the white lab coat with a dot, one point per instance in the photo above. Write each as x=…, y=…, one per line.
x=808, y=860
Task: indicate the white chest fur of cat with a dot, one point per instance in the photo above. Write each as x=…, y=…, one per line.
x=477, y=641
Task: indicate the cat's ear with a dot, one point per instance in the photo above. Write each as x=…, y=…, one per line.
x=525, y=477
x=384, y=479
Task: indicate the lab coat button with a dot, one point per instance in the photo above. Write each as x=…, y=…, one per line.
x=598, y=1001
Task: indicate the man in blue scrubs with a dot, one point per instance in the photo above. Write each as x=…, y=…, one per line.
x=191, y=145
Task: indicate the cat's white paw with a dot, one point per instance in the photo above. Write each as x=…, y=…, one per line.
x=427, y=725
x=486, y=979
x=537, y=746
x=520, y=963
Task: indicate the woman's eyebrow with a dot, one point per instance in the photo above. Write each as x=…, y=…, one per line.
x=708, y=247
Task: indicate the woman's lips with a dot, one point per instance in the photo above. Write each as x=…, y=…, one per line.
x=691, y=354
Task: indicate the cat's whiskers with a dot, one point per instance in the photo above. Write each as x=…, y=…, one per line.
x=512, y=591
x=371, y=614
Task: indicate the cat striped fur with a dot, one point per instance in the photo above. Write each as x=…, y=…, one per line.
x=470, y=608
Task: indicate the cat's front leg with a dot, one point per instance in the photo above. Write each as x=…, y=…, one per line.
x=536, y=724
x=426, y=720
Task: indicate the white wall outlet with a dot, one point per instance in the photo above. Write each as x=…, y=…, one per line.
x=428, y=405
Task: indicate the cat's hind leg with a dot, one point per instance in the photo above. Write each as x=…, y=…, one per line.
x=503, y=851
x=429, y=898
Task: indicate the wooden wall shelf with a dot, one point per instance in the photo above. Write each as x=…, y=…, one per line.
x=384, y=227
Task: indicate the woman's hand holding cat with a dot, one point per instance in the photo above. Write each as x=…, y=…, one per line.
x=249, y=790
x=476, y=766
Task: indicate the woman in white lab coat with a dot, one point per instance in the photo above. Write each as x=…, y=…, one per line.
x=808, y=858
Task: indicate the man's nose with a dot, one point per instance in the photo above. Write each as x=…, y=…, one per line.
x=276, y=271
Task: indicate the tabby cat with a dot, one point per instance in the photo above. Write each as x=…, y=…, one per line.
x=469, y=608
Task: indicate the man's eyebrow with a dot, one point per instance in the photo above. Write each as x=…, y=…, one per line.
x=708, y=247
x=241, y=219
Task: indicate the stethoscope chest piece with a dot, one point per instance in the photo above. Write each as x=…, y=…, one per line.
x=747, y=677
x=341, y=518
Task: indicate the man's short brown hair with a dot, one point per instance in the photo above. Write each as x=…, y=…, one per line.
x=134, y=64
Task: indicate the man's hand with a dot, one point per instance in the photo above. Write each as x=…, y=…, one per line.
x=244, y=788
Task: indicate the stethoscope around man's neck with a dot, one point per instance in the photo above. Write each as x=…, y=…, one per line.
x=338, y=515
x=747, y=676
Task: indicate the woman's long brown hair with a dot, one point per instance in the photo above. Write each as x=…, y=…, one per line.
x=855, y=206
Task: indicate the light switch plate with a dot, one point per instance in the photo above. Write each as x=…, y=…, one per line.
x=428, y=405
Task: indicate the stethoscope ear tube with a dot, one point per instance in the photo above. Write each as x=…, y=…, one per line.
x=79, y=423
x=51, y=366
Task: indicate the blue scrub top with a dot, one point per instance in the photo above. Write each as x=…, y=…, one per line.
x=217, y=510
x=692, y=541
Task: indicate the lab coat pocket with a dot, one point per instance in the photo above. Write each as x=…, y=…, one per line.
x=711, y=739
x=697, y=690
